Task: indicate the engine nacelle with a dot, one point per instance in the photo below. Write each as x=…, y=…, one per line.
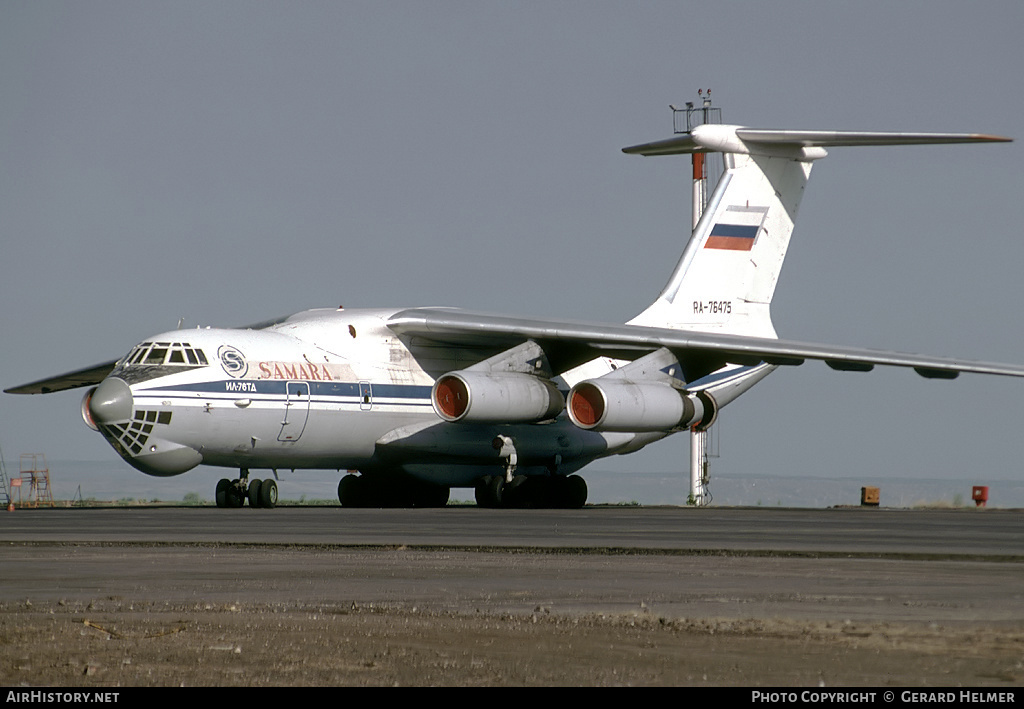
x=623, y=405
x=495, y=397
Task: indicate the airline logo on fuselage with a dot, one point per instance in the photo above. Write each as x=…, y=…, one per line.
x=295, y=370
x=232, y=361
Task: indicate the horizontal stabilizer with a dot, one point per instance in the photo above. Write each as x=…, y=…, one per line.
x=737, y=139
x=828, y=138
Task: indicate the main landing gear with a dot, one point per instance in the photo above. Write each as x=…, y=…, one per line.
x=512, y=490
x=537, y=492
x=388, y=491
x=234, y=493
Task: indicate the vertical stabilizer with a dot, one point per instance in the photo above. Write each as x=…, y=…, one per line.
x=726, y=277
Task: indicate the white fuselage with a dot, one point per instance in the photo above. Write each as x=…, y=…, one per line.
x=325, y=389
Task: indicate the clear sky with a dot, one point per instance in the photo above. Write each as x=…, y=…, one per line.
x=227, y=162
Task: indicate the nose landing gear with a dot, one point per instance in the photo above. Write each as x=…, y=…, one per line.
x=234, y=493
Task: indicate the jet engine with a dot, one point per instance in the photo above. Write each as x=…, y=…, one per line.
x=495, y=397
x=624, y=405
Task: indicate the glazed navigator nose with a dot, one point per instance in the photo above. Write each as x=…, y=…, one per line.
x=111, y=402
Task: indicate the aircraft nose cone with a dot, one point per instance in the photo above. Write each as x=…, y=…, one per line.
x=112, y=401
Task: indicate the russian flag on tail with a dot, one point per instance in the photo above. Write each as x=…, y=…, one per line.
x=738, y=228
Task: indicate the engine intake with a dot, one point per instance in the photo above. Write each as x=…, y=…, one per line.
x=495, y=397
x=86, y=414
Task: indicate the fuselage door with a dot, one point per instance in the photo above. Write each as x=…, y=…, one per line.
x=365, y=396
x=296, y=411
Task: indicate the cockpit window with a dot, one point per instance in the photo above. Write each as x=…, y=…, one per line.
x=160, y=353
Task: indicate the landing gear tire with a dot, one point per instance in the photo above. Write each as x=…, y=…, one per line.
x=254, y=493
x=222, y=492
x=490, y=491
x=350, y=491
x=571, y=493
x=532, y=492
x=268, y=494
x=519, y=494
x=429, y=495
x=234, y=495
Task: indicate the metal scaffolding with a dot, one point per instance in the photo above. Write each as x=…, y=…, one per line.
x=5, y=485
x=33, y=476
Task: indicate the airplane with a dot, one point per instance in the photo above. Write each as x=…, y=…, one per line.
x=412, y=402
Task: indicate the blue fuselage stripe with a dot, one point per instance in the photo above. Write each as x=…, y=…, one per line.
x=277, y=387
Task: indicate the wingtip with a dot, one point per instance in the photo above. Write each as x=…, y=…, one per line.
x=992, y=138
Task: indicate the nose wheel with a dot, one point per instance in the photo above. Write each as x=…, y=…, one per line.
x=234, y=493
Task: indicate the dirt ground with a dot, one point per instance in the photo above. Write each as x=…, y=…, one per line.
x=115, y=642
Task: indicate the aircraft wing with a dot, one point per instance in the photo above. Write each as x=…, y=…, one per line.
x=91, y=376
x=570, y=343
x=72, y=380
